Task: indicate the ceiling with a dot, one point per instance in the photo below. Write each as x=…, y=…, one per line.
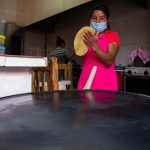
x=142, y=3
x=49, y=23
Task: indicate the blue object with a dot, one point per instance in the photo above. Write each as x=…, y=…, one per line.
x=2, y=47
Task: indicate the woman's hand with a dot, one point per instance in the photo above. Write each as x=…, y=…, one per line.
x=105, y=57
x=90, y=39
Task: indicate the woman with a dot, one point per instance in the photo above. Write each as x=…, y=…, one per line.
x=103, y=47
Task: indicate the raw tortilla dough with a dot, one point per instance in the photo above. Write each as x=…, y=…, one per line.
x=79, y=45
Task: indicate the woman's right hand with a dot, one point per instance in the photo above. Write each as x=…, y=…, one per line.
x=90, y=40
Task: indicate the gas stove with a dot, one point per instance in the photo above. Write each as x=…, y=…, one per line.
x=137, y=71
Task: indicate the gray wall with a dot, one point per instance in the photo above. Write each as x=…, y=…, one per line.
x=130, y=20
x=132, y=23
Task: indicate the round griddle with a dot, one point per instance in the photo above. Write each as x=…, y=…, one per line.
x=75, y=120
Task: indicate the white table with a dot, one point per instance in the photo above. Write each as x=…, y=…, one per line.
x=15, y=75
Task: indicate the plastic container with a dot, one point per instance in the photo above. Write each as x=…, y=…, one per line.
x=2, y=40
x=2, y=49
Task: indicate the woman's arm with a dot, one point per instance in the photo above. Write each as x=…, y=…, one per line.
x=109, y=56
x=105, y=57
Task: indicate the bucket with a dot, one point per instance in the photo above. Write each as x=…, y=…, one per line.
x=64, y=84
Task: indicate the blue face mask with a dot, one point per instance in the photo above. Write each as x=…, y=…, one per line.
x=100, y=27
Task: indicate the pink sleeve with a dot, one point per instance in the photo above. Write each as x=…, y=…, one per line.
x=113, y=37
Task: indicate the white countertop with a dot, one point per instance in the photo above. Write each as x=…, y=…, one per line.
x=22, y=61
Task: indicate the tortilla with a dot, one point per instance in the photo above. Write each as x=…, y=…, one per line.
x=79, y=45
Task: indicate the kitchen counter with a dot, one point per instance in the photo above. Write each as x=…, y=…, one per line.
x=22, y=61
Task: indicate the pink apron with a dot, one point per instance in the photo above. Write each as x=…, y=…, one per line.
x=105, y=77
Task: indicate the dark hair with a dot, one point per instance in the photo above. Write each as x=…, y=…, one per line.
x=59, y=41
x=104, y=9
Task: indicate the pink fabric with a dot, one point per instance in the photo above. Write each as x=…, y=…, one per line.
x=105, y=77
x=143, y=54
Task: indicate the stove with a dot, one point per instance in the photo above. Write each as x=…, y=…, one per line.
x=137, y=80
x=137, y=71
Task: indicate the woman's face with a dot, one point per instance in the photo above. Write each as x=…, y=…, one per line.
x=98, y=16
